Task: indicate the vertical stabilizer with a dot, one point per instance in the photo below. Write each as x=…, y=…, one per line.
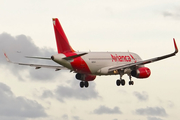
x=63, y=45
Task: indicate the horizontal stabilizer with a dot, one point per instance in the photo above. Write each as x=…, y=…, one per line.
x=37, y=66
x=74, y=56
x=38, y=57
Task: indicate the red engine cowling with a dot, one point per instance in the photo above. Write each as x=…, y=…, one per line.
x=85, y=77
x=142, y=72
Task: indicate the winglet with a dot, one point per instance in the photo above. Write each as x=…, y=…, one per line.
x=6, y=57
x=176, y=49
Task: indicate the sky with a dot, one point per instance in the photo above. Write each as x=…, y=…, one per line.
x=145, y=27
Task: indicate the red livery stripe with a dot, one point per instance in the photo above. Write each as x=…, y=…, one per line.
x=78, y=64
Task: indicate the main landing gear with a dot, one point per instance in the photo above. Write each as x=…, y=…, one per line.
x=84, y=84
x=122, y=81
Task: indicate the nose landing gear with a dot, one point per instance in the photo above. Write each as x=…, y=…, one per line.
x=131, y=82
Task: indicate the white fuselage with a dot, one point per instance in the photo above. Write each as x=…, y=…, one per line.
x=98, y=63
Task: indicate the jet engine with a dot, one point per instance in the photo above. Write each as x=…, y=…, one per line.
x=85, y=77
x=142, y=72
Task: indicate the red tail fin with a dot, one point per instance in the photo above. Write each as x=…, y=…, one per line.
x=63, y=45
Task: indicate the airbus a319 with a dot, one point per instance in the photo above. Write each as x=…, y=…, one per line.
x=87, y=65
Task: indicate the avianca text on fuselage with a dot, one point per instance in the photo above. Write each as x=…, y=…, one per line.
x=122, y=58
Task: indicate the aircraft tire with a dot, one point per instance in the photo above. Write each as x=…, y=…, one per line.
x=86, y=84
x=118, y=82
x=131, y=82
x=123, y=82
x=82, y=84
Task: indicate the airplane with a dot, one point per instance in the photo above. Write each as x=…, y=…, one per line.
x=87, y=65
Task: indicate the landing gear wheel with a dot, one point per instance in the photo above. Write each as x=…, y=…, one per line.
x=82, y=84
x=123, y=82
x=86, y=84
x=131, y=82
x=118, y=82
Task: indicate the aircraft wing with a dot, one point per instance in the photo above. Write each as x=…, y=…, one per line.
x=145, y=61
x=37, y=66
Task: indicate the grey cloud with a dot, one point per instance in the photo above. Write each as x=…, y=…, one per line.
x=18, y=107
x=11, y=118
x=174, y=14
x=19, y=46
x=72, y=91
x=47, y=93
x=167, y=14
x=76, y=118
x=152, y=111
x=65, y=117
x=153, y=118
x=141, y=96
x=170, y=104
x=63, y=92
x=106, y=110
x=43, y=74
x=22, y=44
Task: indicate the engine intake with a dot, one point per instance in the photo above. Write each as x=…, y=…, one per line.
x=85, y=77
x=142, y=72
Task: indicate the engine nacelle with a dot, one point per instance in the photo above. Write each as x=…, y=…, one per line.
x=85, y=77
x=142, y=72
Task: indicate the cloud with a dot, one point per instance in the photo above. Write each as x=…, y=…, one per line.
x=18, y=107
x=76, y=118
x=66, y=92
x=72, y=91
x=106, y=110
x=175, y=13
x=141, y=96
x=47, y=93
x=19, y=46
x=167, y=14
x=65, y=117
x=170, y=104
x=11, y=118
x=153, y=118
x=152, y=111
